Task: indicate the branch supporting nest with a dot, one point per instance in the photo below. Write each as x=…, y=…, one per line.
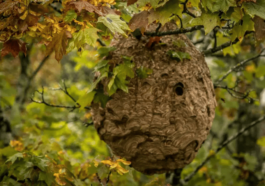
x=173, y=32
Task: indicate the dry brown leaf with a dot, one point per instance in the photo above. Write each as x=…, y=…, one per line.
x=152, y=41
x=7, y=5
x=14, y=46
x=106, y=10
x=83, y=5
x=140, y=21
x=259, y=28
x=130, y=2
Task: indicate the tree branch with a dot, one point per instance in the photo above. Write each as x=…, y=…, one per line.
x=185, y=9
x=239, y=65
x=227, y=44
x=254, y=123
x=173, y=32
x=58, y=106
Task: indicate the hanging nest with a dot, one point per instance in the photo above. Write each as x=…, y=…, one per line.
x=162, y=122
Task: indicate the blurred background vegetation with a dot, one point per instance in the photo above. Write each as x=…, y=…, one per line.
x=45, y=145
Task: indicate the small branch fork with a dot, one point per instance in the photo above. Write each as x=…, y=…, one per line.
x=236, y=67
x=185, y=9
x=232, y=91
x=254, y=123
x=221, y=47
x=178, y=31
x=64, y=89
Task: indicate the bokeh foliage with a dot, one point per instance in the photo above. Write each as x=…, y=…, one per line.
x=41, y=144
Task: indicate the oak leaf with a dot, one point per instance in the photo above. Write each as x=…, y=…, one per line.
x=13, y=46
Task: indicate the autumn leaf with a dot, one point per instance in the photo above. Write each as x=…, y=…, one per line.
x=13, y=46
x=152, y=42
x=140, y=21
x=83, y=5
x=58, y=44
x=7, y=5
x=259, y=25
x=116, y=166
x=105, y=10
x=130, y=2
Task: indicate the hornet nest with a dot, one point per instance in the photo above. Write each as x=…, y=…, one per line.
x=162, y=122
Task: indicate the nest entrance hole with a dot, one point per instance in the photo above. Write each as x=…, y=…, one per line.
x=179, y=89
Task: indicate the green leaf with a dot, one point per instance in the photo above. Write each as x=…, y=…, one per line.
x=217, y=5
x=179, y=56
x=15, y=157
x=70, y=15
x=241, y=27
x=194, y=3
x=261, y=142
x=114, y=23
x=47, y=177
x=164, y=14
x=40, y=162
x=260, y=71
x=104, y=51
x=257, y=8
x=101, y=98
x=86, y=36
x=86, y=99
x=209, y=21
x=143, y=72
x=118, y=79
x=153, y=3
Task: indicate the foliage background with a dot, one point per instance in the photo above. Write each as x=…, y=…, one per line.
x=44, y=145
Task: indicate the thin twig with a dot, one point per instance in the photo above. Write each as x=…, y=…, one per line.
x=227, y=44
x=185, y=9
x=181, y=24
x=173, y=32
x=254, y=123
x=215, y=37
x=101, y=42
x=52, y=105
x=239, y=65
x=38, y=68
x=108, y=178
x=33, y=76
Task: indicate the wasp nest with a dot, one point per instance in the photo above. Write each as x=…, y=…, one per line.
x=162, y=122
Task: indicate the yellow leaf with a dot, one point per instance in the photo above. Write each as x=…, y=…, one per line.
x=121, y=170
x=124, y=161
x=17, y=145
x=203, y=170
x=23, y=17
x=96, y=163
x=107, y=162
x=218, y=184
x=211, y=153
x=250, y=68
